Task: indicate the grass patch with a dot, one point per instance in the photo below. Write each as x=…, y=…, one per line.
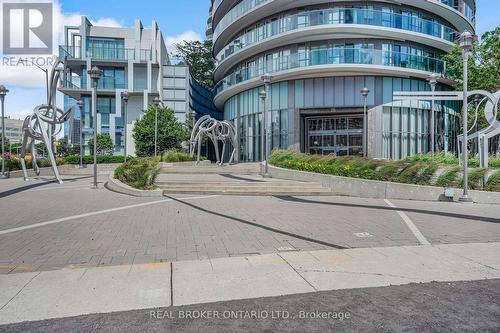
x=493, y=183
x=493, y=161
x=449, y=178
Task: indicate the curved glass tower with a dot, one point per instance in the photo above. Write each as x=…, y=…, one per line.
x=320, y=55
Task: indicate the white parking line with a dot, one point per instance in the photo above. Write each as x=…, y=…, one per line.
x=421, y=238
x=105, y=211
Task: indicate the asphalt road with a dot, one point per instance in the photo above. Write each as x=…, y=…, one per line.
x=431, y=307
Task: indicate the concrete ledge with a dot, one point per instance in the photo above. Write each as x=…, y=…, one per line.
x=381, y=190
x=117, y=186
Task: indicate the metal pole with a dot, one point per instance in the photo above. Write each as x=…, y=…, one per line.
x=465, y=197
x=156, y=129
x=266, y=139
x=125, y=130
x=81, y=137
x=365, y=129
x=94, y=123
x=433, y=87
x=3, y=137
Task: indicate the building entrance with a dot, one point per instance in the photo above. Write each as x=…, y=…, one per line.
x=342, y=135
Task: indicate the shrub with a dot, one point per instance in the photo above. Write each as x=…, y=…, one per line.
x=14, y=163
x=140, y=173
x=174, y=155
x=493, y=183
x=90, y=159
x=449, y=178
x=416, y=170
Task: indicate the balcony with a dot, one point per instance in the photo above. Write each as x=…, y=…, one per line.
x=80, y=83
x=102, y=53
x=336, y=16
x=333, y=57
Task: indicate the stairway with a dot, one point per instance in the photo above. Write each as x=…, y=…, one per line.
x=268, y=187
x=203, y=168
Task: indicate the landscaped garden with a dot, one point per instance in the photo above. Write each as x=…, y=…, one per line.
x=420, y=169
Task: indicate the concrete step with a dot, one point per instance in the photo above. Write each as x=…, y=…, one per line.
x=255, y=192
x=244, y=168
x=270, y=187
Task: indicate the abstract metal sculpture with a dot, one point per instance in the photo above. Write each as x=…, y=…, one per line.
x=45, y=124
x=217, y=131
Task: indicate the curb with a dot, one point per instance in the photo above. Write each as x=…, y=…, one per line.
x=117, y=186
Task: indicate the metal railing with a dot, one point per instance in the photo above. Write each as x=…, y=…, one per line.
x=104, y=53
x=333, y=56
x=336, y=16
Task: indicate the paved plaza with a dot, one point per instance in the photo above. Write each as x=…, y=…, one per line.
x=45, y=226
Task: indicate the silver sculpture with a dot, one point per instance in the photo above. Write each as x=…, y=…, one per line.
x=217, y=131
x=45, y=124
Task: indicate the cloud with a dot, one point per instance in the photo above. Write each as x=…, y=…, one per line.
x=32, y=77
x=188, y=35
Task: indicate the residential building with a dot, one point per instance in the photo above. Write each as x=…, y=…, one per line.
x=320, y=55
x=133, y=59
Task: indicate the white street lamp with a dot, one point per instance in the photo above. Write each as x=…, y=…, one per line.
x=3, y=92
x=125, y=97
x=80, y=107
x=95, y=75
x=433, y=81
x=466, y=41
x=365, y=92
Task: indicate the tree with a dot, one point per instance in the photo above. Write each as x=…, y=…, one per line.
x=105, y=146
x=198, y=56
x=63, y=147
x=170, y=132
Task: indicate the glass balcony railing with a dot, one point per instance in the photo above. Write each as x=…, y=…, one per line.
x=235, y=13
x=334, y=56
x=106, y=83
x=337, y=16
x=463, y=8
x=102, y=53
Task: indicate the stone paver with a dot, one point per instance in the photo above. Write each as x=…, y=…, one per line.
x=210, y=227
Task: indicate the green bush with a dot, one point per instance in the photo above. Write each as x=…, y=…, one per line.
x=493, y=162
x=174, y=155
x=13, y=163
x=90, y=159
x=418, y=170
x=493, y=183
x=140, y=173
x=449, y=177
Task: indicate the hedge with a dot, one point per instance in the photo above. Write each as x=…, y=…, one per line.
x=408, y=171
x=75, y=159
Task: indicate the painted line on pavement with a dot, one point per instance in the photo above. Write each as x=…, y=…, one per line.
x=105, y=211
x=421, y=238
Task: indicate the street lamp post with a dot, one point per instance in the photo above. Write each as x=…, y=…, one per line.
x=365, y=92
x=80, y=107
x=466, y=41
x=263, y=96
x=156, y=102
x=266, y=78
x=125, y=96
x=433, y=81
x=95, y=75
x=3, y=92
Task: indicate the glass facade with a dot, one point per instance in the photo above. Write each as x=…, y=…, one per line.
x=405, y=130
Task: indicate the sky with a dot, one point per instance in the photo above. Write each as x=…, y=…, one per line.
x=178, y=19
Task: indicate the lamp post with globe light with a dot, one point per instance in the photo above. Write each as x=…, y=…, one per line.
x=125, y=97
x=95, y=75
x=365, y=92
x=3, y=93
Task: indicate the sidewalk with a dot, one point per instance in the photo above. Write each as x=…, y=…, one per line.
x=72, y=292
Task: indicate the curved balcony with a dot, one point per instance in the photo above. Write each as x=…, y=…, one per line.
x=340, y=16
x=247, y=12
x=343, y=61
